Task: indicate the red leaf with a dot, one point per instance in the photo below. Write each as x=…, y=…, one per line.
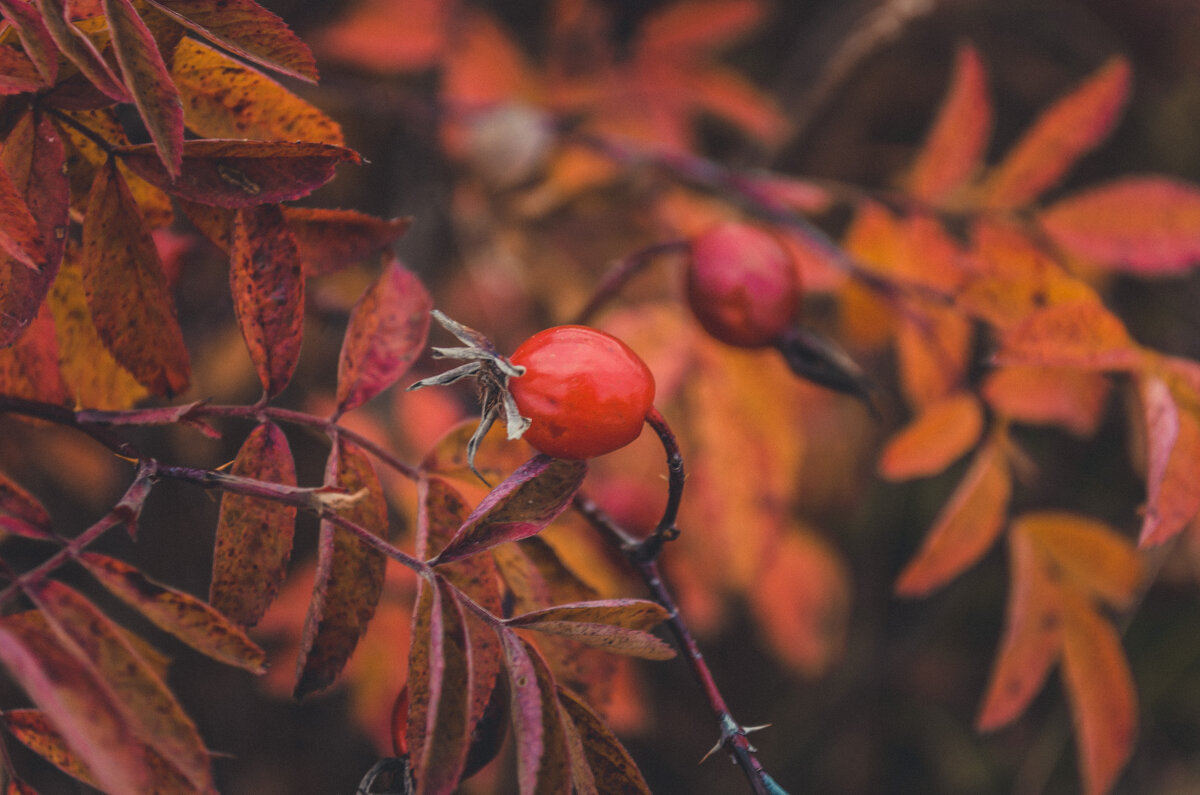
x=1033, y=637
x=127, y=291
x=937, y=437
x=152, y=711
x=18, y=74
x=35, y=159
x=17, y=503
x=30, y=367
x=146, y=75
x=966, y=527
x=389, y=35
x=20, y=236
x=233, y=173
x=616, y=625
x=1148, y=226
x=77, y=706
x=267, y=285
x=387, y=330
x=700, y=24
x=330, y=240
x=1101, y=691
x=246, y=28
x=955, y=146
x=349, y=579
x=35, y=37
x=612, y=768
x=440, y=686
x=1066, y=130
x=80, y=49
x=177, y=613
x=254, y=537
x=223, y=98
x=523, y=504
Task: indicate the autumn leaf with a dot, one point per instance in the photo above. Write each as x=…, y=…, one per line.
x=616, y=625
x=127, y=291
x=611, y=767
x=1072, y=399
x=246, y=28
x=177, y=613
x=18, y=74
x=349, y=579
x=1089, y=554
x=153, y=713
x=389, y=35
x=1081, y=334
x=21, y=513
x=29, y=368
x=20, y=236
x=1172, y=428
x=254, y=537
x=267, y=285
x=235, y=173
x=80, y=49
x=542, y=756
x=34, y=35
x=78, y=707
x=1143, y=225
x=967, y=525
x=33, y=157
x=387, y=330
x=145, y=72
x=941, y=433
x=1066, y=130
x=330, y=240
x=224, y=99
x=519, y=507
x=956, y=144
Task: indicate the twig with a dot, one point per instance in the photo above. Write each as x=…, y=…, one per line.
x=620, y=274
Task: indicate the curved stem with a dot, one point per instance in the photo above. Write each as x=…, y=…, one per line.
x=620, y=274
x=650, y=548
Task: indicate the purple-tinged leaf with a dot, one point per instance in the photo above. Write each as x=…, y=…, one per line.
x=439, y=690
x=180, y=614
x=331, y=240
x=75, y=704
x=267, y=285
x=234, y=173
x=20, y=236
x=127, y=290
x=246, y=28
x=34, y=158
x=543, y=763
x=387, y=331
x=80, y=49
x=349, y=578
x=523, y=504
x=612, y=768
x=254, y=537
x=18, y=74
x=17, y=503
x=35, y=38
x=148, y=79
x=615, y=625
x=153, y=713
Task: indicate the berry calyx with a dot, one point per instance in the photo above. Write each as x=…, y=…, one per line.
x=585, y=392
x=742, y=285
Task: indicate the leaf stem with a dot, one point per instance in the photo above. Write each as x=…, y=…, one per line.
x=650, y=548
x=620, y=274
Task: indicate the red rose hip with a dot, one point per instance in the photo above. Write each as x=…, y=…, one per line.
x=585, y=392
x=742, y=285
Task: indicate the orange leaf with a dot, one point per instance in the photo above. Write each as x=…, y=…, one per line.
x=1148, y=226
x=1081, y=334
x=936, y=438
x=484, y=66
x=933, y=346
x=222, y=98
x=1090, y=554
x=127, y=291
x=389, y=35
x=1073, y=399
x=966, y=527
x=1066, y=130
x=267, y=285
x=1101, y=691
x=36, y=733
x=254, y=537
x=726, y=94
x=1033, y=636
x=954, y=147
x=1173, y=455
x=699, y=24
x=177, y=613
x=802, y=601
x=146, y=75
